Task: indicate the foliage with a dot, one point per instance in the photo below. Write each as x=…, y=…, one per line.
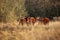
x=11, y=10
x=43, y=8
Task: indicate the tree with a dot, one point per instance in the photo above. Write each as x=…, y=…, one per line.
x=42, y=8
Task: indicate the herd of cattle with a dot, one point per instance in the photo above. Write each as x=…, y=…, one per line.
x=32, y=20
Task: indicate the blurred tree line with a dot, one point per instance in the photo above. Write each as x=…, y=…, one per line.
x=43, y=8
x=11, y=10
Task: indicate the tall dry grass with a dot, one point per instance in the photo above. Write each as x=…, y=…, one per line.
x=14, y=31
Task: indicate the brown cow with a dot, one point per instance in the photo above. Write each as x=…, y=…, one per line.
x=45, y=20
x=28, y=20
x=22, y=21
x=32, y=20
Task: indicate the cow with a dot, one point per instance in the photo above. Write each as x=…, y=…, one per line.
x=28, y=20
x=22, y=21
x=45, y=20
x=32, y=20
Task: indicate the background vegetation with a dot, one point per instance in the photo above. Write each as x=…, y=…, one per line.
x=43, y=8
x=11, y=10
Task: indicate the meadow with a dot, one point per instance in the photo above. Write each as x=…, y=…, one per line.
x=14, y=31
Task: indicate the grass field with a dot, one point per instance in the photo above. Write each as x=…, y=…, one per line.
x=13, y=31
